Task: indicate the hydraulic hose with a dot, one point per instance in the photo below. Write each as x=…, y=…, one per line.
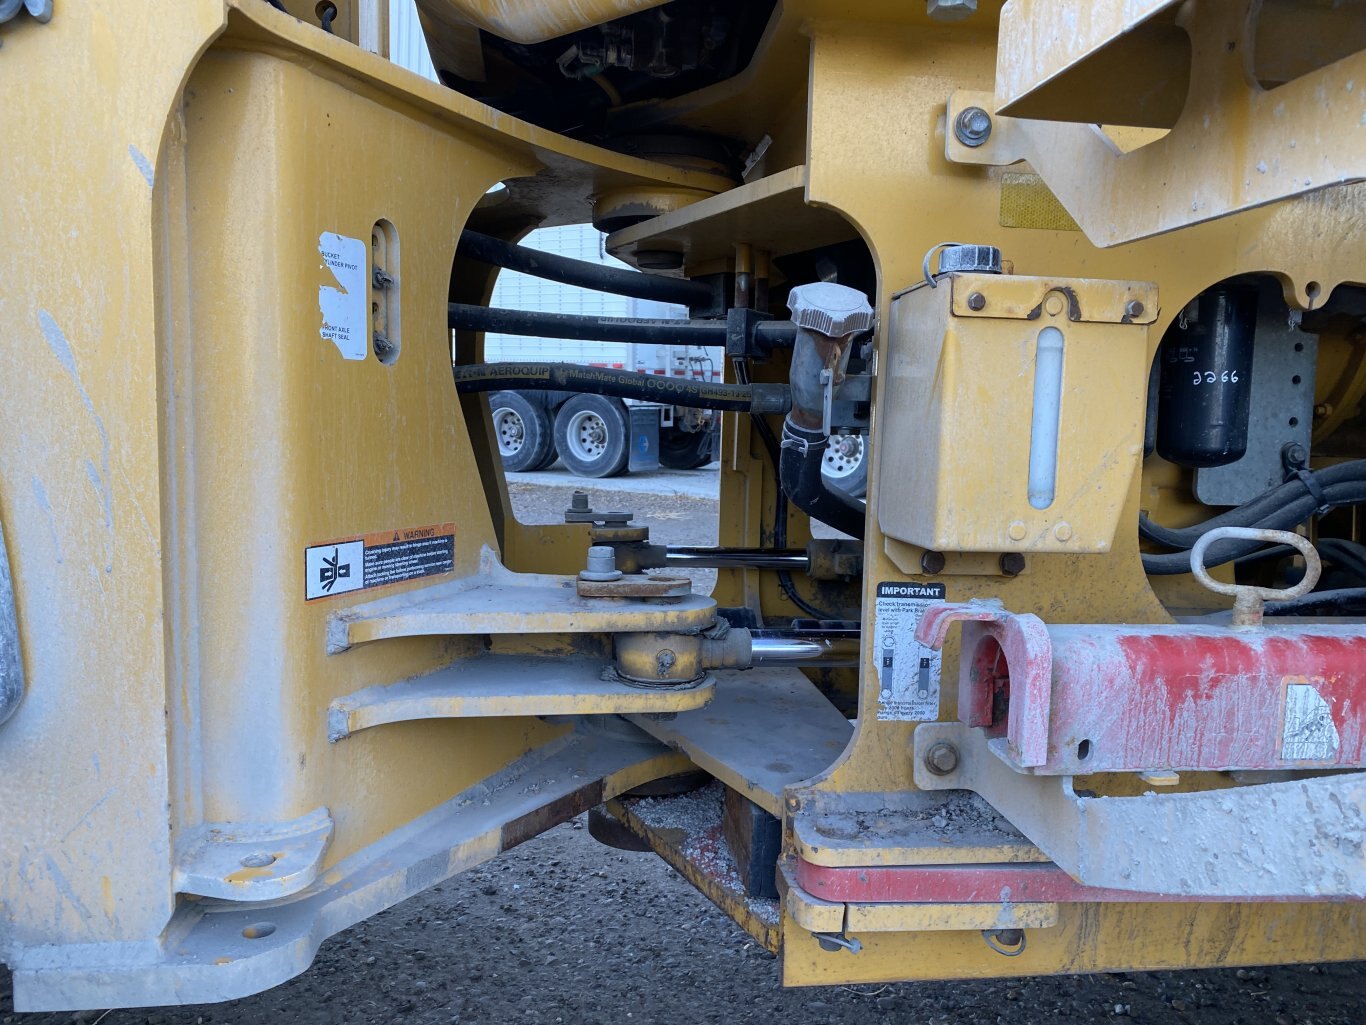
x=1281, y=508
x=827, y=316
x=487, y=249
x=799, y=470
x=623, y=384
x=655, y=331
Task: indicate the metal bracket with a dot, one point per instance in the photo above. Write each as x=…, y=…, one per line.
x=242, y=861
x=827, y=400
x=1291, y=840
x=1247, y=159
x=833, y=941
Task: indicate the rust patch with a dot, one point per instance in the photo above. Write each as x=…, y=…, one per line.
x=1073, y=305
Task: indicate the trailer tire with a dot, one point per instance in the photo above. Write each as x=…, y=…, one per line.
x=593, y=435
x=526, y=439
x=845, y=465
x=685, y=450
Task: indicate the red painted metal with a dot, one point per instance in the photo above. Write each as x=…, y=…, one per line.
x=993, y=641
x=978, y=884
x=1106, y=698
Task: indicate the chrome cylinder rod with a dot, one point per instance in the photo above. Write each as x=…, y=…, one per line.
x=804, y=648
x=794, y=559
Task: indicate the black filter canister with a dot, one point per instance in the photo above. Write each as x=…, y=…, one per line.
x=1206, y=379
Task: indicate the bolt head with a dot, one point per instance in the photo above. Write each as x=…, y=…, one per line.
x=261, y=859
x=1133, y=309
x=950, y=10
x=933, y=562
x=972, y=126
x=1012, y=564
x=977, y=301
x=942, y=758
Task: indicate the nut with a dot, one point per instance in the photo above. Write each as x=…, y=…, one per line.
x=950, y=10
x=942, y=758
x=972, y=126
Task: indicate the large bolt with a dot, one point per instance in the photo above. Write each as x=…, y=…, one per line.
x=950, y=10
x=602, y=564
x=1012, y=564
x=942, y=758
x=933, y=562
x=1133, y=309
x=977, y=302
x=972, y=126
x=578, y=502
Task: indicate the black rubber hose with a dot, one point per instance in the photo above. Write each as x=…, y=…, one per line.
x=799, y=470
x=1253, y=513
x=623, y=384
x=655, y=331
x=487, y=249
x=1280, y=508
x=1285, y=517
x=770, y=443
x=1341, y=599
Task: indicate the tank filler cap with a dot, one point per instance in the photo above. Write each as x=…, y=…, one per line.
x=970, y=260
x=830, y=309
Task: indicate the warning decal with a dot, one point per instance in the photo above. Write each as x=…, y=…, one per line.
x=908, y=672
x=373, y=560
x=1309, y=733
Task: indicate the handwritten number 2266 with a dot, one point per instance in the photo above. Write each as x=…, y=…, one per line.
x=1211, y=377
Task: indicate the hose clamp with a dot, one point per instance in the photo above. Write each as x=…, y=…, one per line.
x=805, y=442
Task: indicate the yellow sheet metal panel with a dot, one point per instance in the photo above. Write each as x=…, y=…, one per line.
x=85, y=842
x=1094, y=938
x=866, y=918
x=1035, y=378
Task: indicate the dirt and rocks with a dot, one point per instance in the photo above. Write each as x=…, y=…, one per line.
x=564, y=931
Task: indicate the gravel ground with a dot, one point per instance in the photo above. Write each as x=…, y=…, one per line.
x=564, y=930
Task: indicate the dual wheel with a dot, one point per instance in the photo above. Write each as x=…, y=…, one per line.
x=590, y=433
